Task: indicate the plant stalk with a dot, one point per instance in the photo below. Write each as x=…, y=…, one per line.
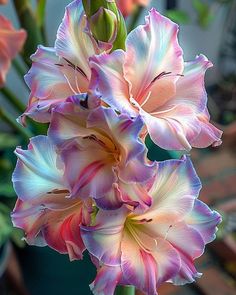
x=11, y=97
x=5, y=116
x=125, y=290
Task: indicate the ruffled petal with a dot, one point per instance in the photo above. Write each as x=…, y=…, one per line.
x=204, y=220
x=73, y=43
x=144, y=269
x=174, y=128
x=154, y=60
x=51, y=220
x=45, y=78
x=209, y=134
x=89, y=173
x=174, y=191
x=107, y=70
x=190, y=245
x=106, y=280
x=103, y=238
x=39, y=170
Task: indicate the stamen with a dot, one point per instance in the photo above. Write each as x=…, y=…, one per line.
x=146, y=99
x=137, y=239
x=167, y=231
x=72, y=89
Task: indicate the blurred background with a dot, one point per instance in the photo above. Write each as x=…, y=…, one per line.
x=207, y=27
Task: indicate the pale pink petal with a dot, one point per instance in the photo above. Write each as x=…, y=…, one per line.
x=73, y=43
x=204, y=220
x=89, y=174
x=45, y=78
x=30, y=176
x=57, y=227
x=106, y=280
x=153, y=56
x=103, y=238
x=107, y=70
x=146, y=262
x=173, y=128
x=11, y=42
x=209, y=134
x=174, y=190
x=124, y=131
x=190, y=245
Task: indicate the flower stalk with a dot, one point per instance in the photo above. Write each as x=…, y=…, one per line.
x=29, y=22
x=125, y=290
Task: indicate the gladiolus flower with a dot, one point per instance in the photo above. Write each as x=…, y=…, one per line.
x=151, y=79
x=44, y=210
x=108, y=151
x=11, y=42
x=127, y=6
x=159, y=245
x=62, y=71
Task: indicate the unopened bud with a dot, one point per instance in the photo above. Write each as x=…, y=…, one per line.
x=103, y=25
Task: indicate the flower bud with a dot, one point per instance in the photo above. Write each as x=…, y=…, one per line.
x=103, y=25
x=106, y=22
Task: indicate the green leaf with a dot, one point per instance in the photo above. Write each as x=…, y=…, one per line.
x=6, y=190
x=7, y=141
x=17, y=236
x=5, y=223
x=178, y=16
x=40, y=11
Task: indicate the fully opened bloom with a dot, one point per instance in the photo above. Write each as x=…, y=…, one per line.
x=108, y=151
x=63, y=70
x=150, y=78
x=158, y=245
x=11, y=42
x=44, y=210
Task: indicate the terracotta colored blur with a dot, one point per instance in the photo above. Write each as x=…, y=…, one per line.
x=11, y=42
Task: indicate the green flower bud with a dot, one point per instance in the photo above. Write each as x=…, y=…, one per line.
x=106, y=22
x=103, y=25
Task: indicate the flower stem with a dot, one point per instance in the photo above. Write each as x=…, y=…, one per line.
x=19, y=69
x=11, y=97
x=5, y=116
x=125, y=290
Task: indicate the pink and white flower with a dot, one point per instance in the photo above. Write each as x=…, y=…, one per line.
x=44, y=210
x=150, y=78
x=63, y=70
x=109, y=153
x=158, y=245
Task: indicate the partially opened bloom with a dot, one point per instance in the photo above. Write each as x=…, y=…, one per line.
x=11, y=42
x=150, y=78
x=63, y=70
x=159, y=245
x=44, y=210
x=127, y=6
x=108, y=151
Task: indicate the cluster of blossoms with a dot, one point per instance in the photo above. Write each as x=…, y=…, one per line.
x=88, y=184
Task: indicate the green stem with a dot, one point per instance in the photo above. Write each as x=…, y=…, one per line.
x=11, y=97
x=12, y=122
x=125, y=290
x=19, y=69
x=29, y=22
